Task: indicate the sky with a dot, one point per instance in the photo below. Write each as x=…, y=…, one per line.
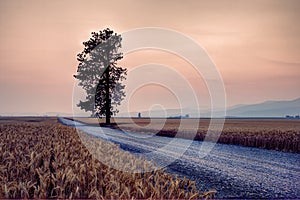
x=254, y=45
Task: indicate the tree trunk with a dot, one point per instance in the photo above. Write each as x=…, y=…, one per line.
x=107, y=98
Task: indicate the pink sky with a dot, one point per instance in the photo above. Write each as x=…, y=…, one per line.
x=254, y=44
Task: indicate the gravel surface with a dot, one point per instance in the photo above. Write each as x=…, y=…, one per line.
x=234, y=171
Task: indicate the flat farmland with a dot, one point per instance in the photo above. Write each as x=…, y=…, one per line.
x=41, y=158
x=275, y=134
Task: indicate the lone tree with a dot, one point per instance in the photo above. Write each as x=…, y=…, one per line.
x=99, y=75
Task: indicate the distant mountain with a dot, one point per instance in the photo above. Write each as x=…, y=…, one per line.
x=265, y=109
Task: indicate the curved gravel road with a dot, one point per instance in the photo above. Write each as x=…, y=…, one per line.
x=234, y=171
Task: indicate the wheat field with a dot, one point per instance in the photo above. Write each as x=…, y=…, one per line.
x=274, y=134
x=40, y=158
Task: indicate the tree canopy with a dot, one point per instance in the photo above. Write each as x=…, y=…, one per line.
x=99, y=75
